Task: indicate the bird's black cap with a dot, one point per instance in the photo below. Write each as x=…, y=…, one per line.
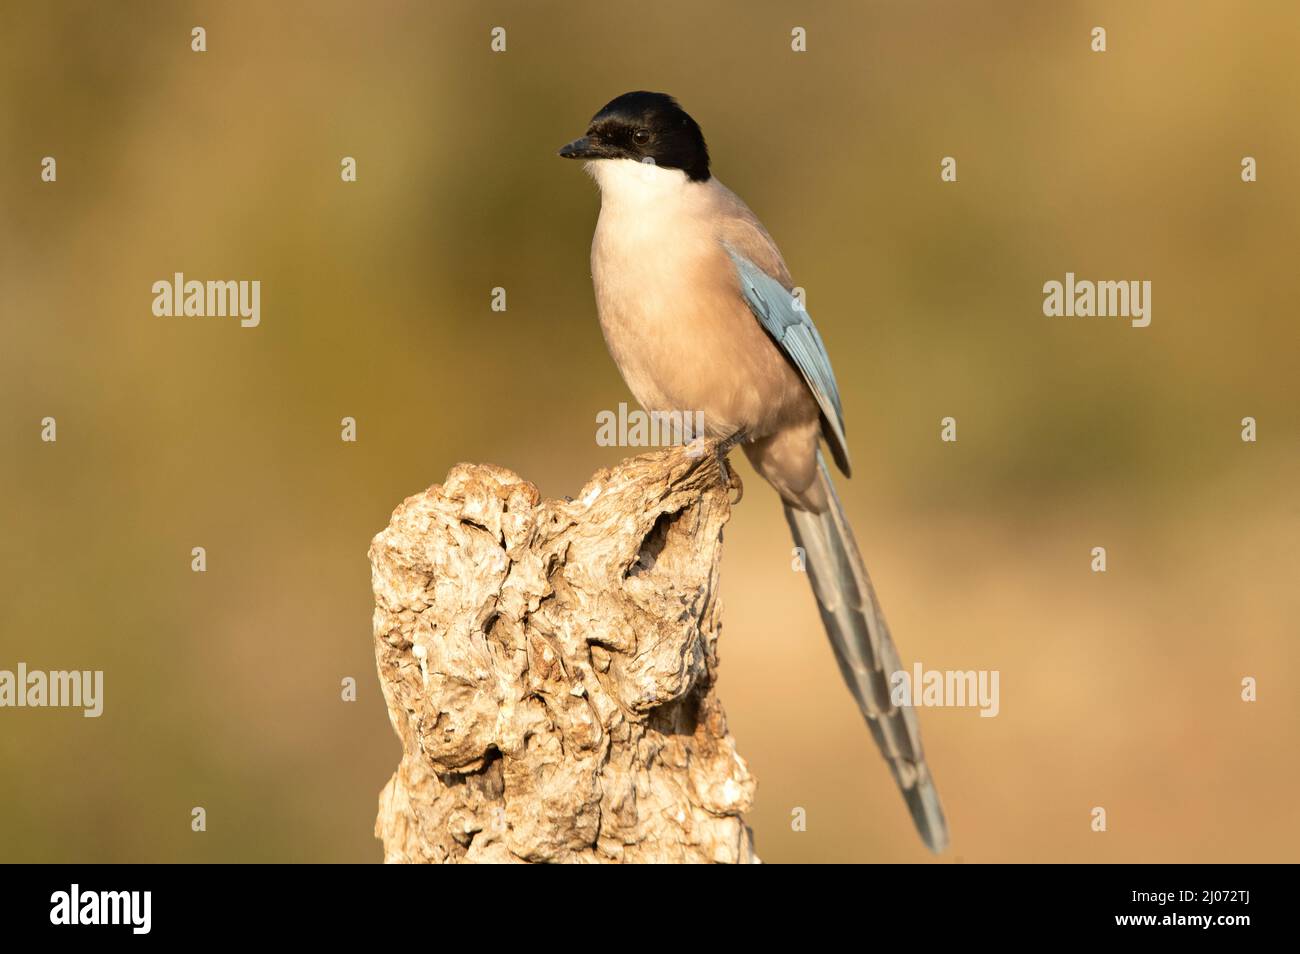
x=645, y=126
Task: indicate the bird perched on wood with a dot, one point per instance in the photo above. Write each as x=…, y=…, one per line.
x=698, y=311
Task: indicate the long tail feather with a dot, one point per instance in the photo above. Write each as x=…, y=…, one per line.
x=866, y=653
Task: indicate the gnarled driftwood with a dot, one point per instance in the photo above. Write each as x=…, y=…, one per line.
x=549, y=667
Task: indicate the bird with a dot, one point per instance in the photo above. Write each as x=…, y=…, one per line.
x=699, y=312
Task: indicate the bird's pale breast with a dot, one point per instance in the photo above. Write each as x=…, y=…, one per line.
x=673, y=317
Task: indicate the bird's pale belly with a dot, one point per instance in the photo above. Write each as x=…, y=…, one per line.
x=696, y=352
x=669, y=371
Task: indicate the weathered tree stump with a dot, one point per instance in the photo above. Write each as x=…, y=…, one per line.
x=549, y=667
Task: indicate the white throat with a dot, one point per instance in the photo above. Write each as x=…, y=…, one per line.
x=630, y=184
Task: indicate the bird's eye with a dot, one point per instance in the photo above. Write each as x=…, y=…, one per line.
x=641, y=137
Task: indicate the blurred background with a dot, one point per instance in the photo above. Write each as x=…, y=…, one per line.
x=1119, y=690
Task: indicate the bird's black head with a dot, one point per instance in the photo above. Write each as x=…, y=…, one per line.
x=645, y=126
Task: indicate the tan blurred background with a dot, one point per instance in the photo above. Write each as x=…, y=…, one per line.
x=222, y=689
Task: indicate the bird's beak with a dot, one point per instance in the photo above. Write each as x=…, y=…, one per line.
x=584, y=148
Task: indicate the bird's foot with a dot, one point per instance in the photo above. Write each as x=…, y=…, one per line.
x=732, y=480
x=720, y=448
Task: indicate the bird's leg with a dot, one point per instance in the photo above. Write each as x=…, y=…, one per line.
x=721, y=448
x=725, y=445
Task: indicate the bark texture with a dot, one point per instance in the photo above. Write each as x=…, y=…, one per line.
x=549, y=667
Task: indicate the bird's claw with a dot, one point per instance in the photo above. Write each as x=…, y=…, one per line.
x=732, y=480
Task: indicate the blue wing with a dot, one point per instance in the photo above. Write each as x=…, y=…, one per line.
x=796, y=335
